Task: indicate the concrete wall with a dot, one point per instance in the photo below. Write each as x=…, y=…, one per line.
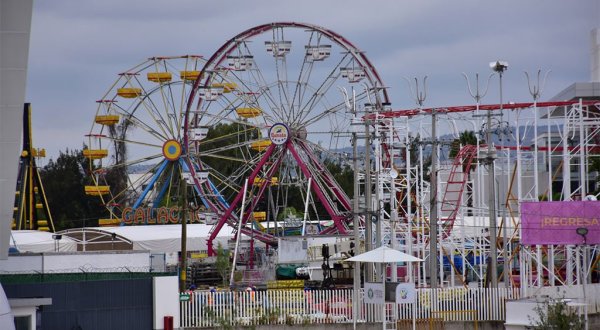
x=165, y=300
x=15, y=27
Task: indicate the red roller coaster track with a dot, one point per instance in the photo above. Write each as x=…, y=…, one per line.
x=465, y=108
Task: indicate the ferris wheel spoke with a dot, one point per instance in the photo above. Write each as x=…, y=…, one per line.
x=121, y=140
x=264, y=91
x=136, y=122
x=340, y=107
x=133, y=187
x=148, y=105
x=281, y=72
x=322, y=90
x=303, y=76
x=224, y=182
x=219, y=118
x=170, y=104
x=170, y=111
x=160, y=122
x=299, y=92
x=180, y=115
x=150, y=184
x=128, y=163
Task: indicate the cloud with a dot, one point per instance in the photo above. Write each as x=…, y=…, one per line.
x=78, y=48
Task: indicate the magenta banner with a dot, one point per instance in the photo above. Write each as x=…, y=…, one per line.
x=557, y=223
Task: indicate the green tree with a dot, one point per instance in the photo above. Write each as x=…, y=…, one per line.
x=465, y=138
x=343, y=175
x=556, y=315
x=222, y=263
x=117, y=175
x=64, y=180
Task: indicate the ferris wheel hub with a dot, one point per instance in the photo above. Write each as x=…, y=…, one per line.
x=171, y=150
x=300, y=133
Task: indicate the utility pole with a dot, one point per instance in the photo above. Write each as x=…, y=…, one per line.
x=355, y=212
x=433, y=212
x=499, y=67
x=368, y=195
x=419, y=97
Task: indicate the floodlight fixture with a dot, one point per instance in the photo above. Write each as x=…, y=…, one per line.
x=582, y=231
x=499, y=66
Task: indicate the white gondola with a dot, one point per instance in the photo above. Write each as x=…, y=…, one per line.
x=240, y=63
x=353, y=74
x=202, y=176
x=318, y=53
x=198, y=133
x=187, y=176
x=211, y=93
x=278, y=48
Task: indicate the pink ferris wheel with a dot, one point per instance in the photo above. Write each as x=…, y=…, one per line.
x=265, y=116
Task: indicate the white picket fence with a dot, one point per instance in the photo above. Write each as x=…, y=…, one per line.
x=212, y=309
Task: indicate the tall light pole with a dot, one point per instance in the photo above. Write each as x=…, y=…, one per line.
x=183, y=219
x=499, y=67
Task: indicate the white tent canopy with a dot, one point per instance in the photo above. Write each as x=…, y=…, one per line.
x=167, y=238
x=36, y=241
x=164, y=238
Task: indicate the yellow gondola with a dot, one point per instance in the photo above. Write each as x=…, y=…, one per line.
x=248, y=112
x=43, y=229
x=159, y=77
x=259, y=181
x=42, y=223
x=260, y=215
x=97, y=190
x=36, y=152
x=95, y=153
x=39, y=206
x=129, y=93
x=261, y=145
x=228, y=87
x=107, y=120
x=108, y=222
x=189, y=75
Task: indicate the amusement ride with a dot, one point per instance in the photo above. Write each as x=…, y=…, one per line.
x=236, y=137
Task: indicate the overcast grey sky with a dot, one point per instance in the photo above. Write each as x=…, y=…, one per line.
x=78, y=47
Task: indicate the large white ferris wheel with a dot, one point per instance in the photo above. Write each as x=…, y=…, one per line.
x=279, y=86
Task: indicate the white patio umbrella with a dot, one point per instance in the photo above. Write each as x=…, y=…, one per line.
x=383, y=254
